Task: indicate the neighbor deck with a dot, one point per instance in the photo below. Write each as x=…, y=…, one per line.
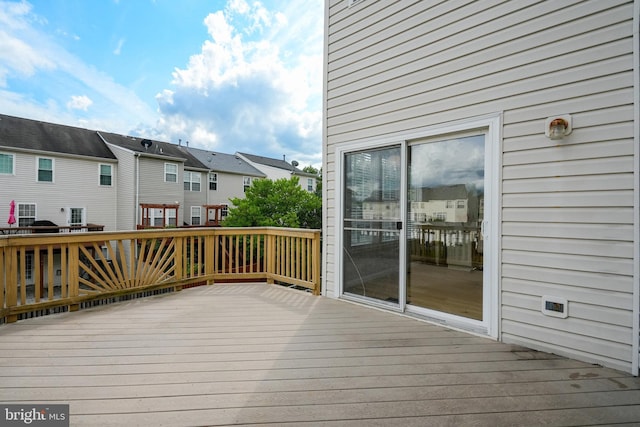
x=263, y=354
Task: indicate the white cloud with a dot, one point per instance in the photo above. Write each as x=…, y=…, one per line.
x=30, y=55
x=118, y=48
x=256, y=84
x=81, y=102
x=450, y=162
x=16, y=55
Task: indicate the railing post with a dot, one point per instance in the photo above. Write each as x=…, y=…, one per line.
x=271, y=257
x=11, y=281
x=209, y=256
x=178, y=259
x=74, y=274
x=316, y=263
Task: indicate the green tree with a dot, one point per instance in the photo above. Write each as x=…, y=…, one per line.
x=281, y=203
x=318, y=174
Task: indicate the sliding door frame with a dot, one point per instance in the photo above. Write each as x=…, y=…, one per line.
x=491, y=126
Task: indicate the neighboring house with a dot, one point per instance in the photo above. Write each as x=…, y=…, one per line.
x=74, y=176
x=276, y=169
x=57, y=173
x=160, y=184
x=228, y=176
x=532, y=107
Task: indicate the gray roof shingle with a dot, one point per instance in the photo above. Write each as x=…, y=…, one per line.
x=156, y=148
x=27, y=134
x=221, y=162
x=276, y=163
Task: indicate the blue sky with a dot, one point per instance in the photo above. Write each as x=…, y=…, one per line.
x=235, y=75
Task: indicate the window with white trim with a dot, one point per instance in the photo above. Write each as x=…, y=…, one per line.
x=7, y=163
x=246, y=180
x=26, y=214
x=224, y=211
x=45, y=169
x=310, y=184
x=213, y=181
x=170, y=172
x=192, y=181
x=196, y=215
x=106, y=175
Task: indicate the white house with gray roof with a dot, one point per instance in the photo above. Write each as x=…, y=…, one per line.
x=227, y=176
x=74, y=176
x=62, y=174
x=156, y=174
x=276, y=169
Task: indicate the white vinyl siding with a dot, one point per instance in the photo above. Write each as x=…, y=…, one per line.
x=74, y=185
x=125, y=178
x=567, y=212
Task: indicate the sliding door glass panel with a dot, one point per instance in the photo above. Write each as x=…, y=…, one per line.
x=372, y=224
x=444, y=236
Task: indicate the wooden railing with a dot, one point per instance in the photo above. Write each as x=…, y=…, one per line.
x=44, y=272
x=38, y=229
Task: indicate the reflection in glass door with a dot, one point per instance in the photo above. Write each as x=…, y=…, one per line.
x=372, y=224
x=444, y=226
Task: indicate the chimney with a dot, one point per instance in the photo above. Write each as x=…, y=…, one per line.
x=179, y=142
x=187, y=142
x=284, y=157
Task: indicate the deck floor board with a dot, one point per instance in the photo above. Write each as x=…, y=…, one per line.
x=266, y=355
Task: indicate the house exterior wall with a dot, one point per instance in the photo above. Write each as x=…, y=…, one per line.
x=196, y=198
x=229, y=186
x=126, y=194
x=76, y=184
x=274, y=173
x=154, y=189
x=271, y=172
x=567, y=209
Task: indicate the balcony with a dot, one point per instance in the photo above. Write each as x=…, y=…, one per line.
x=258, y=353
x=50, y=227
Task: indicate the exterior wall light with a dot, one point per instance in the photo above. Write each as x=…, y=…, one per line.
x=557, y=127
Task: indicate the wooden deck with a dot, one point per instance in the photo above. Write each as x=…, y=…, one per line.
x=259, y=354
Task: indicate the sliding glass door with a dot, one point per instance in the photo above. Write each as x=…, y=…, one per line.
x=372, y=223
x=416, y=220
x=444, y=225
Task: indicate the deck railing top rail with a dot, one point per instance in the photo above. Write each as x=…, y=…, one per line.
x=40, y=229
